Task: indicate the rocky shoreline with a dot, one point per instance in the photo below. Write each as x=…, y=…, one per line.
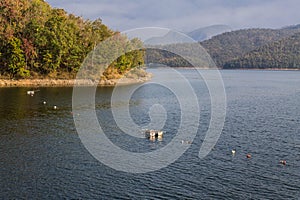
x=70, y=82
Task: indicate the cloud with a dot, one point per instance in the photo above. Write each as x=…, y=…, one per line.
x=185, y=15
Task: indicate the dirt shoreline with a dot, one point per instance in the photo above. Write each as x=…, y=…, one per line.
x=69, y=82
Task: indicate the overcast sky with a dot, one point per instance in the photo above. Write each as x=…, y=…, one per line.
x=185, y=15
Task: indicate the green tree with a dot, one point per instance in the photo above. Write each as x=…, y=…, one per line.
x=15, y=58
x=36, y=39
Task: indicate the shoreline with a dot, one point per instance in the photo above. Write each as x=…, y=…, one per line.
x=48, y=82
x=266, y=69
x=7, y=83
x=246, y=69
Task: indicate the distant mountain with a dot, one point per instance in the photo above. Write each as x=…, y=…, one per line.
x=172, y=37
x=284, y=53
x=232, y=45
x=208, y=32
x=292, y=27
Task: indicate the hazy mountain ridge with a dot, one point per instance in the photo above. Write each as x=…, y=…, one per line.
x=170, y=38
x=208, y=32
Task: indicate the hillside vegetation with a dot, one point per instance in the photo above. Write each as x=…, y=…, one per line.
x=232, y=45
x=38, y=40
x=249, y=48
x=179, y=55
x=284, y=53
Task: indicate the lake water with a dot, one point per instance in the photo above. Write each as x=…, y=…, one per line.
x=42, y=156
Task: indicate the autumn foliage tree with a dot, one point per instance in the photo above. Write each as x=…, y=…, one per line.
x=37, y=40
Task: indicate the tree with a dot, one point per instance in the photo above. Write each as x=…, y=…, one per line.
x=16, y=65
x=36, y=39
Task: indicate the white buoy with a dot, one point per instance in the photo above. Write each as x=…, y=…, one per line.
x=54, y=107
x=30, y=92
x=44, y=102
x=233, y=151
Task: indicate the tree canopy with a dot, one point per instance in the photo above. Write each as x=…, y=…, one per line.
x=284, y=53
x=232, y=45
x=248, y=48
x=38, y=40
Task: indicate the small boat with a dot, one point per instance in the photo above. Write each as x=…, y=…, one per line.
x=30, y=92
x=153, y=133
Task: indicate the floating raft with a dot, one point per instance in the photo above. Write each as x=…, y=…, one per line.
x=153, y=133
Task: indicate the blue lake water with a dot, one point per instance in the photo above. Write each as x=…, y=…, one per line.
x=42, y=157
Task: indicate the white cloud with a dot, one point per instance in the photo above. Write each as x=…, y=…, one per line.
x=186, y=15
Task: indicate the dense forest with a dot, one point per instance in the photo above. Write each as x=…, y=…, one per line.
x=232, y=45
x=284, y=53
x=37, y=40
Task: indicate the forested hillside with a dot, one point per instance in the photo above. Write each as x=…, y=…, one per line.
x=284, y=53
x=232, y=45
x=38, y=40
x=249, y=48
x=187, y=52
